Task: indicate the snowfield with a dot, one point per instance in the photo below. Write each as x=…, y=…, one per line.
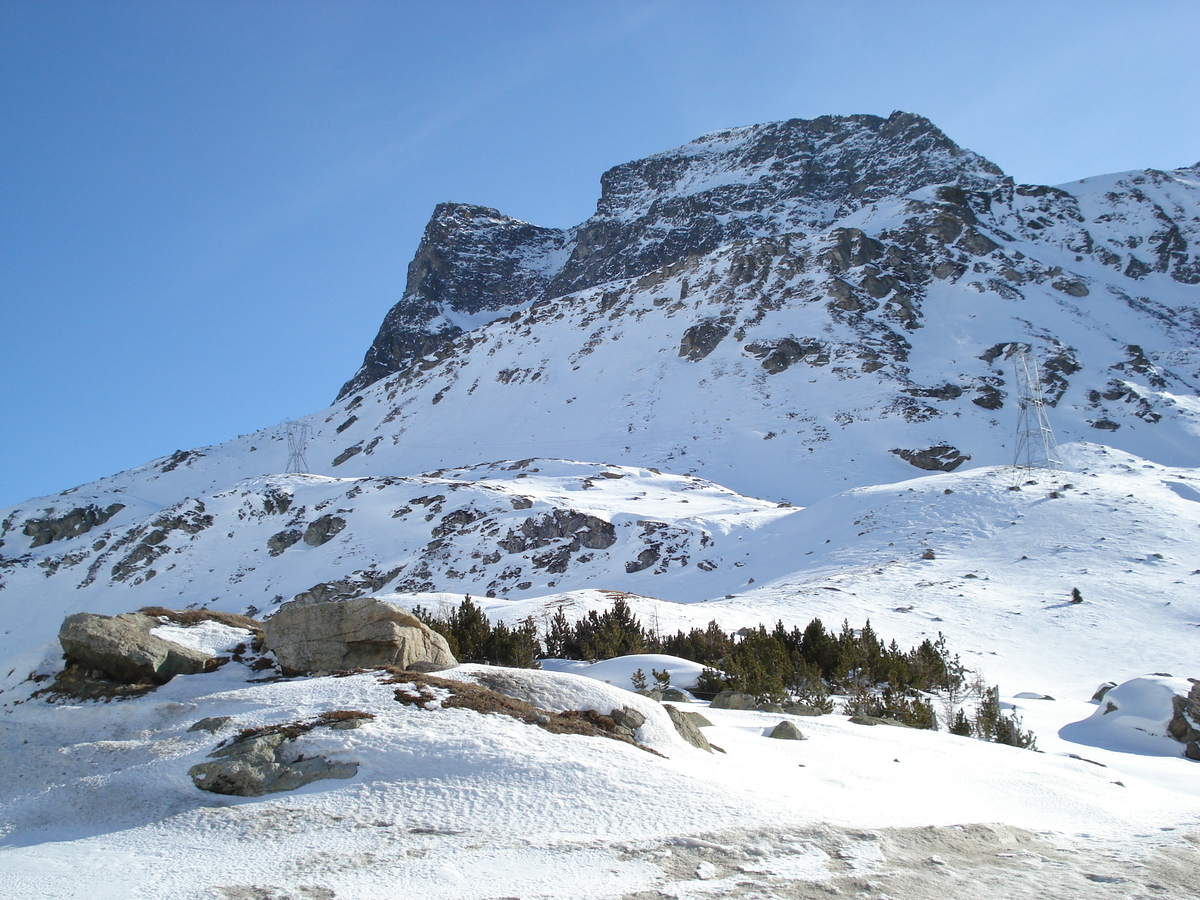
x=452, y=803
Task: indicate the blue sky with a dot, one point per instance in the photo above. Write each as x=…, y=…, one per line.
x=206, y=208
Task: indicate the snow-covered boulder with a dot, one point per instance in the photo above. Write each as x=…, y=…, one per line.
x=1151, y=715
x=786, y=731
x=123, y=648
x=363, y=632
x=562, y=691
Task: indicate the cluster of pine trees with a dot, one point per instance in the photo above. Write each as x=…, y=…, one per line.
x=779, y=665
x=473, y=638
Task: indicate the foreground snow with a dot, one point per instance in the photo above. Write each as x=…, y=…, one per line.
x=449, y=803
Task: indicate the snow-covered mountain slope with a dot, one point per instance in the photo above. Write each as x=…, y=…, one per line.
x=801, y=347
x=840, y=312
x=960, y=553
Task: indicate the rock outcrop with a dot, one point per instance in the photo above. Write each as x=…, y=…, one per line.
x=934, y=459
x=123, y=648
x=1185, y=722
x=659, y=211
x=786, y=731
x=71, y=524
x=687, y=728
x=271, y=760
x=310, y=637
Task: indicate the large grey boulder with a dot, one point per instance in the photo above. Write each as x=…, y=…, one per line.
x=264, y=764
x=123, y=648
x=734, y=700
x=361, y=632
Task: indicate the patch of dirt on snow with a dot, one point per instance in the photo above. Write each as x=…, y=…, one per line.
x=929, y=863
x=255, y=892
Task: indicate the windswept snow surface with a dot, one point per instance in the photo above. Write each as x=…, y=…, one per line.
x=450, y=803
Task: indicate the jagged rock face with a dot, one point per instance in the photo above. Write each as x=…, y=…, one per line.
x=777, y=262
x=779, y=178
x=72, y=524
x=782, y=364
x=472, y=260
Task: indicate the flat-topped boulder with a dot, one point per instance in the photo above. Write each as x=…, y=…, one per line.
x=309, y=637
x=123, y=648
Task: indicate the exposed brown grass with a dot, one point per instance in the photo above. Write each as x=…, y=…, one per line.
x=77, y=683
x=292, y=730
x=484, y=700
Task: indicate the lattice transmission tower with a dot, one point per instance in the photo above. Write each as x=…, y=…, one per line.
x=297, y=438
x=1036, y=448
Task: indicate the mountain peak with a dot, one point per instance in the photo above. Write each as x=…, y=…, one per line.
x=475, y=265
x=830, y=162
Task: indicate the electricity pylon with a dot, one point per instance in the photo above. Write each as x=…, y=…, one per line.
x=1036, y=447
x=297, y=438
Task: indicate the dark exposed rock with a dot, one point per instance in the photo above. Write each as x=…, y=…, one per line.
x=942, y=392
x=348, y=453
x=72, y=524
x=628, y=717
x=1102, y=690
x=472, y=260
x=645, y=559
x=357, y=584
x=582, y=529
x=276, y=500
x=264, y=764
x=934, y=459
x=702, y=338
x=780, y=354
x=323, y=530
x=988, y=397
x=179, y=458
x=280, y=541
x=786, y=731
x=1073, y=287
x=1185, y=720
